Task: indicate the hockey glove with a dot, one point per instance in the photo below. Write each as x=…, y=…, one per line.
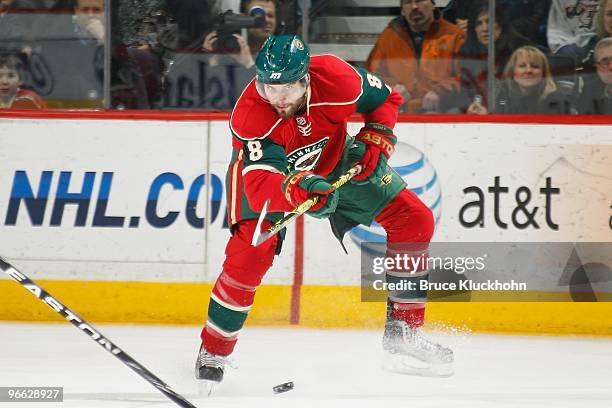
x=299, y=186
x=372, y=140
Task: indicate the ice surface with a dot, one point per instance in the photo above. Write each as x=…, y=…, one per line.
x=330, y=368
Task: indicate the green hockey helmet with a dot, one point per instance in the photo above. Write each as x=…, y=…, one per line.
x=282, y=59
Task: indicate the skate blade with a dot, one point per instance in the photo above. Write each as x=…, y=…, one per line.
x=406, y=365
x=207, y=387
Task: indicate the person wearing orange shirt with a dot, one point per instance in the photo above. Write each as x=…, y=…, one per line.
x=416, y=55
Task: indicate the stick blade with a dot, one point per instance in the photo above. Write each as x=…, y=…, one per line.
x=257, y=235
x=262, y=238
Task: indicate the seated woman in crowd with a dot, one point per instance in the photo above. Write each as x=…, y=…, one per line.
x=473, y=54
x=528, y=87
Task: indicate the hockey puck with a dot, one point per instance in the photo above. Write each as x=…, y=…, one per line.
x=284, y=387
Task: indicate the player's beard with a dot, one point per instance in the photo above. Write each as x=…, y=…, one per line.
x=291, y=109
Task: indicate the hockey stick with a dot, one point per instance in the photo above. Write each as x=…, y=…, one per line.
x=259, y=237
x=93, y=333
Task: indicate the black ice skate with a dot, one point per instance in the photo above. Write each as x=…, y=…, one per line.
x=209, y=368
x=408, y=352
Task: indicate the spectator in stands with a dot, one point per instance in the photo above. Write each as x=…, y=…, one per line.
x=596, y=98
x=11, y=93
x=256, y=36
x=571, y=25
x=528, y=87
x=416, y=55
x=604, y=19
x=603, y=30
x=288, y=14
x=89, y=18
x=87, y=77
x=231, y=70
x=474, y=52
x=526, y=17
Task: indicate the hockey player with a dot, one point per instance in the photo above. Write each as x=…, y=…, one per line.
x=290, y=141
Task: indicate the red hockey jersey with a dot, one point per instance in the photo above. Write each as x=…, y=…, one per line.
x=313, y=140
x=26, y=99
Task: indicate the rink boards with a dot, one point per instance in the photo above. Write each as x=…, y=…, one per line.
x=125, y=219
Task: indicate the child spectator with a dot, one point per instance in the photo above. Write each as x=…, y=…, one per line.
x=528, y=87
x=416, y=55
x=11, y=95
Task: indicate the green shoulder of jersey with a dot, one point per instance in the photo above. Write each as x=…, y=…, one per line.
x=374, y=91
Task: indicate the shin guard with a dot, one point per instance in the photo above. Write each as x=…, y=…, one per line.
x=234, y=291
x=409, y=225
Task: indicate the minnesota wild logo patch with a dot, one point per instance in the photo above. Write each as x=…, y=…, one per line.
x=306, y=157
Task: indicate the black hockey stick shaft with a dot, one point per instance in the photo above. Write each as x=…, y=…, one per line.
x=93, y=333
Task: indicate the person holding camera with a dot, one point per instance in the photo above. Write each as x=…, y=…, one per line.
x=230, y=63
x=246, y=48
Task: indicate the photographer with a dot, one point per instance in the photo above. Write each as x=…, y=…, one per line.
x=245, y=50
x=230, y=60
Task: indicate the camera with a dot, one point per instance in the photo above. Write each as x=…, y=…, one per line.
x=231, y=23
